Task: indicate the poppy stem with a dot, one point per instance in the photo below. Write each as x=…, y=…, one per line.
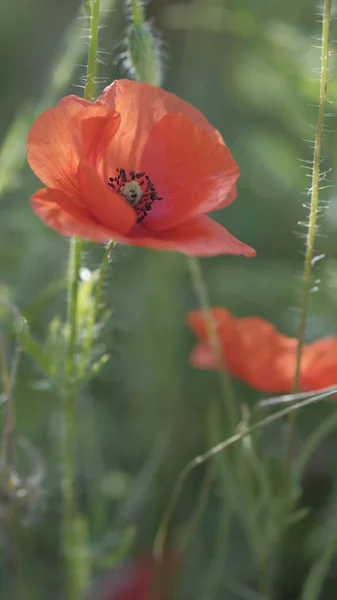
x=90, y=85
x=225, y=379
x=70, y=388
x=197, y=513
x=73, y=278
x=68, y=429
x=226, y=385
x=311, y=235
x=137, y=10
x=242, y=468
x=85, y=358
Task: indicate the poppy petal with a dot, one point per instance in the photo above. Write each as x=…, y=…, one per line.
x=229, y=198
x=142, y=106
x=202, y=357
x=254, y=351
x=108, y=207
x=261, y=356
x=190, y=171
x=51, y=152
x=319, y=364
x=265, y=359
x=198, y=237
x=220, y=316
x=97, y=126
x=65, y=217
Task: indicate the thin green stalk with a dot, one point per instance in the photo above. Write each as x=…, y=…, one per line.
x=198, y=510
x=68, y=409
x=242, y=467
x=310, y=243
x=73, y=281
x=314, y=582
x=225, y=379
x=160, y=539
x=94, y=311
x=90, y=85
x=69, y=534
x=137, y=10
x=222, y=470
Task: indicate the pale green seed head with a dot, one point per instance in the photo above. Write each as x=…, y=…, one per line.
x=132, y=192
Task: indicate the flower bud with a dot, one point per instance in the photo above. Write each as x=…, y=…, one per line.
x=143, y=56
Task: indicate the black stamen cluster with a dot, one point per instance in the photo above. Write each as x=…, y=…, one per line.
x=149, y=194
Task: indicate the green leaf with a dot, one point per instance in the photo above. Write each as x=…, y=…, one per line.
x=31, y=346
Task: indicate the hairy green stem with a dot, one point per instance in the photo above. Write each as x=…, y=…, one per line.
x=90, y=85
x=73, y=280
x=85, y=358
x=69, y=392
x=311, y=235
x=67, y=464
x=137, y=10
x=68, y=409
x=225, y=379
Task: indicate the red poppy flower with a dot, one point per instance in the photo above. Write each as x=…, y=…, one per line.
x=140, y=580
x=139, y=166
x=264, y=358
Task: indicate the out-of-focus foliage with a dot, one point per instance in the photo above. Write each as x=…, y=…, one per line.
x=250, y=66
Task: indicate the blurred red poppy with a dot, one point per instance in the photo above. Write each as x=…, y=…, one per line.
x=139, y=166
x=262, y=357
x=144, y=579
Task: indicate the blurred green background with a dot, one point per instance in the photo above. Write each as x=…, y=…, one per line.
x=251, y=67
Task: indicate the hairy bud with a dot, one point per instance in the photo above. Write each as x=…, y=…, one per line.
x=143, y=54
